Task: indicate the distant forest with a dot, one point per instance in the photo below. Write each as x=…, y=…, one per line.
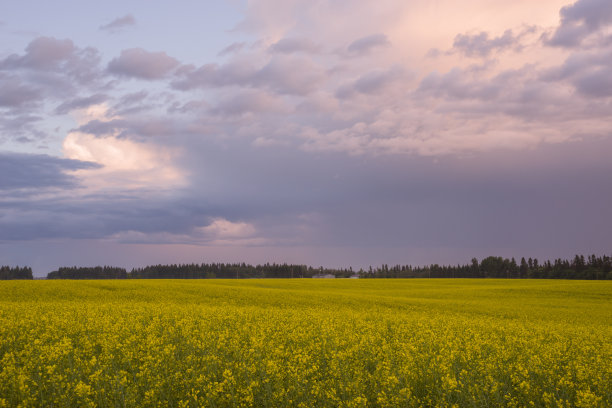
x=591, y=267
x=6, y=273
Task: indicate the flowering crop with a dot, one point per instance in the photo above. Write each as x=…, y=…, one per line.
x=306, y=343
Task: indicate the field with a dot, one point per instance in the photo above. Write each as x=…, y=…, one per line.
x=306, y=343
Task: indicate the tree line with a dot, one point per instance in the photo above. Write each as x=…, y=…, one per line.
x=235, y=271
x=96, y=272
x=591, y=267
x=198, y=271
x=7, y=272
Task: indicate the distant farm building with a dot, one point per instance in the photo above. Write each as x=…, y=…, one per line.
x=324, y=276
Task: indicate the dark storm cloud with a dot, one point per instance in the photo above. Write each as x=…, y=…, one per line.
x=93, y=218
x=580, y=20
x=531, y=200
x=238, y=137
x=410, y=202
x=119, y=23
x=27, y=171
x=138, y=63
x=366, y=44
x=450, y=204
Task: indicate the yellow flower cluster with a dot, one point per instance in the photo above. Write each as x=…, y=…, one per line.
x=306, y=343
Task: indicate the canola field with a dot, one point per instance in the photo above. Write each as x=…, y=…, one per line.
x=306, y=343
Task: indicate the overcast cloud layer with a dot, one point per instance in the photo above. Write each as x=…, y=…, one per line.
x=315, y=132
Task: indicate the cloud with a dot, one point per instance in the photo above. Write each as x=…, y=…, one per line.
x=219, y=232
x=292, y=75
x=21, y=127
x=249, y=101
x=119, y=23
x=33, y=171
x=366, y=44
x=132, y=102
x=13, y=93
x=481, y=45
x=597, y=82
x=232, y=48
x=285, y=74
x=579, y=21
x=458, y=84
x=373, y=82
x=138, y=63
x=127, y=164
x=42, y=53
x=587, y=71
x=54, y=68
x=213, y=75
x=289, y=142
x=221, y=228
x=80, y=103
x=294, y=45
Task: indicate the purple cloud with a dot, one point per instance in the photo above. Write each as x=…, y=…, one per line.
x=283, y=74
x=294, y=45
x=250, y=101
x=213, y=75
x=119, y=23
x=366, y=44
x=56, y=64
x=459, y=84
x=481, y=45
x=41, y=53
x=580, y=20
x=232, y=48
x=131, y=103
x=138, y=63
x=371, y=83
x=291, y=75
x=80, y=103
x=597, y=82
x=27, y=171
x=13, y=93
x=589, y=72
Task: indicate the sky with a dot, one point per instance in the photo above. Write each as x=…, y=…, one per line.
x=318, y=132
